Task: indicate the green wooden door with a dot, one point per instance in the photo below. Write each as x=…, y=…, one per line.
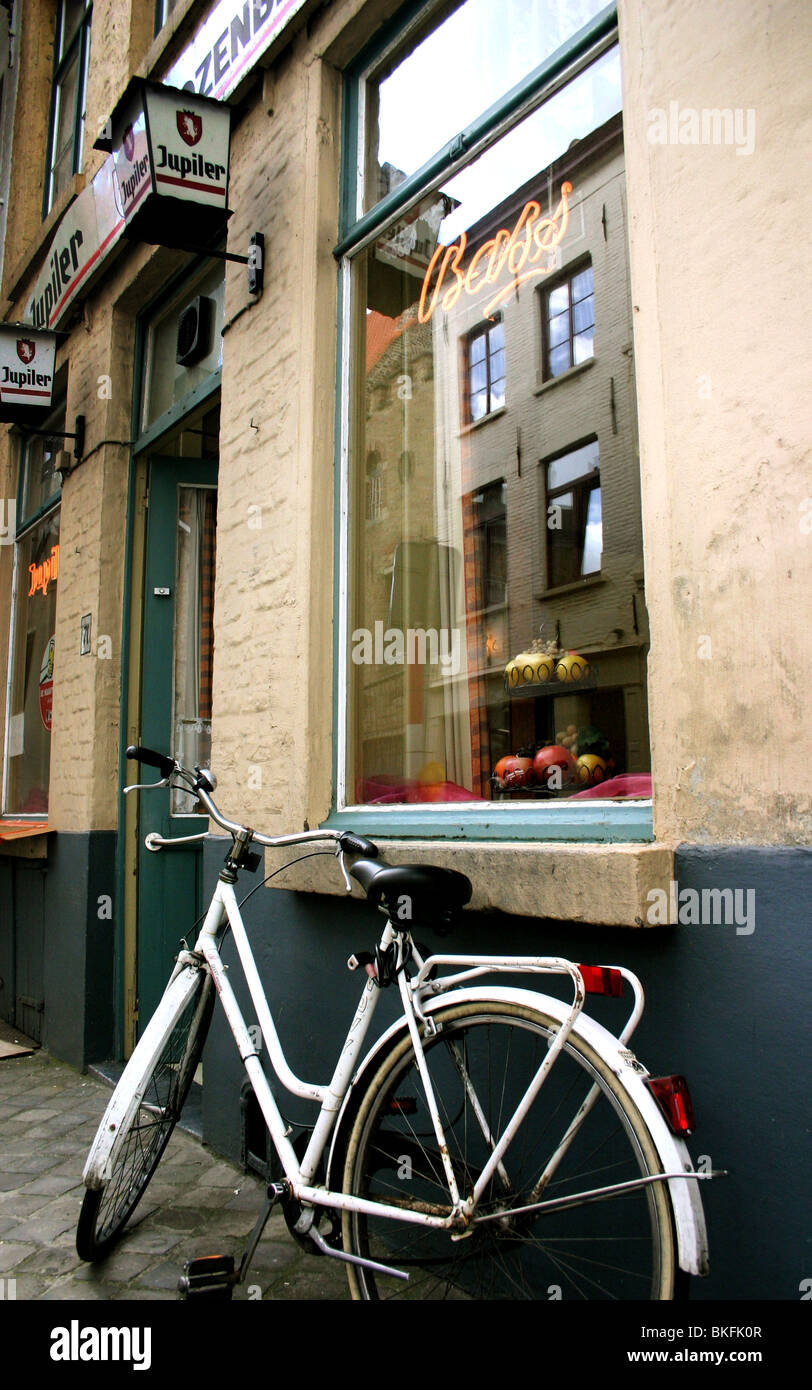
x=175, y=705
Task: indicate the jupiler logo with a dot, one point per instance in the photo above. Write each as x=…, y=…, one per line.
x=190, y=126
x=129, y=144
x=26, y=349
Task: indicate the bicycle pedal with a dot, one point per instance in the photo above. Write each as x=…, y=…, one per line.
x=209, y=1276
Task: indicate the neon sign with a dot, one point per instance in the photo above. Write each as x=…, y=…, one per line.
x=44, y=574
x=530, y=241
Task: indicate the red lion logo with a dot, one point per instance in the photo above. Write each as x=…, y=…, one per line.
x=190, y=126
x=26, y=350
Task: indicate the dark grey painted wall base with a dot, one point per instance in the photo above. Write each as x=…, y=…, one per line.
x=57, y=941
x=731, y=1009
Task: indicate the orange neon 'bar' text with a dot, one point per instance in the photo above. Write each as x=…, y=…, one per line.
x=532, y=237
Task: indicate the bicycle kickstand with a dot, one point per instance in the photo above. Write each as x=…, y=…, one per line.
x=215, y=1276
x=306, y=1226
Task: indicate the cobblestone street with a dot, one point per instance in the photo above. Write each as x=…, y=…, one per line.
x=196, y=1204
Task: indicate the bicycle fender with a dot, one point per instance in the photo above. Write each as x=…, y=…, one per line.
x=129, y=1092
x=672, y=1151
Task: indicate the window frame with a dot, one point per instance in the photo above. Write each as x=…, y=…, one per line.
x=601, y=821
x=78, y=44
x=584, y=485
x=566, y=277
x=25, y=524
x=482, y=330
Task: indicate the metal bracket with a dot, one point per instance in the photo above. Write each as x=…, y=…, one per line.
x=78, y=436
x=255, y=260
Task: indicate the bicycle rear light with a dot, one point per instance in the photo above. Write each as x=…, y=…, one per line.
x=673, y=1098
x=602, y=979
x=403, y=1105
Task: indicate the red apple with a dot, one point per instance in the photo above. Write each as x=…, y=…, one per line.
x=554, y=756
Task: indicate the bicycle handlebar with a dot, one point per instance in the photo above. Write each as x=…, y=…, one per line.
x=201, y=787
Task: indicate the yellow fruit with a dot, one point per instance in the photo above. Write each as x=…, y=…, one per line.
x=534, y=667
x=572, y=667
x=431, y=774
x=590, y=769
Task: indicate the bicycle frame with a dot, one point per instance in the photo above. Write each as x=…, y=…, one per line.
x=330, y=1096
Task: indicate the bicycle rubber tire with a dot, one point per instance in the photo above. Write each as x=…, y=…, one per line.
x=107, y=1209
x=623, y=1247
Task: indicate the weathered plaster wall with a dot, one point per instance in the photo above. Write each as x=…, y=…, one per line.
x=721, y=308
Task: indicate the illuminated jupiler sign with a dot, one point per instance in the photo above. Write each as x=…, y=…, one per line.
x=224, y=48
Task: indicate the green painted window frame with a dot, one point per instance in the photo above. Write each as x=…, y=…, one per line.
x=588, y=822
x=79, y=45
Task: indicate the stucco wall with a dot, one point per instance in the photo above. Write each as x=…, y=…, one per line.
x=721, y=306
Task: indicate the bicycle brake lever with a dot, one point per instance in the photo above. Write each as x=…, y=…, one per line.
x=340, y=858
x=146, y=786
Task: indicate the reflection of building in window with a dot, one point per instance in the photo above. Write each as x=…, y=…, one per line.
x=374, y=486
x=71, y=53
x=573, y=511
x=485, y=371
x=489, y=519
x=31, y=680
x=431, y=361
x=569, y=323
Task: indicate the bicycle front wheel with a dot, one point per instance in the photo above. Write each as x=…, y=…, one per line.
x=481, y=1063
x=107, y=1209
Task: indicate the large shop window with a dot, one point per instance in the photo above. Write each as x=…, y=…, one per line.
x=33, y=622
x=496, y=628
x=65, y=135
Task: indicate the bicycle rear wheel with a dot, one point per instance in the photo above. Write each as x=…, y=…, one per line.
x=622, y=1247
x=169, y=1075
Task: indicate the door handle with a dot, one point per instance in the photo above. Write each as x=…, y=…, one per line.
x=156, y=842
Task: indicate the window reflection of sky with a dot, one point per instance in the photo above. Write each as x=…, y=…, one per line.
x=481, y=51
x=584, y=105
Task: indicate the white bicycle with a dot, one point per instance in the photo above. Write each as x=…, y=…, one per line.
x=493, y=1143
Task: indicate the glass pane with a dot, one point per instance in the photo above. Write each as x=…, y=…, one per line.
x=478, y=348
x=582, y=284
x=424, y=97
x=32, y=669
x=167, y=381
x=38, y=461
x=593, y=539
x=560, y=360
x=448, y=584
x=479, y=405
x=479, y=376
x=583, y=314
x=583, y=346
x=532, y=145
x=193, y=640
x=64, y=128
x=558, y=300
x=559, y=329
x=573, y=465
x=72, y=11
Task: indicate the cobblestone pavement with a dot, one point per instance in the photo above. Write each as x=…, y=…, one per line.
x=196, y=1204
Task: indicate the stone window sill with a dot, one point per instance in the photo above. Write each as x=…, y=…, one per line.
x=601, y=884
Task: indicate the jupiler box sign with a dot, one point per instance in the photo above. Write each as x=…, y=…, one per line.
x=26, y=374
x=170, y=157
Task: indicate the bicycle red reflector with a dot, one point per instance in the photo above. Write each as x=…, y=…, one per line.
x=403, y=1105
x=673, y=1098
x=601, y=979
